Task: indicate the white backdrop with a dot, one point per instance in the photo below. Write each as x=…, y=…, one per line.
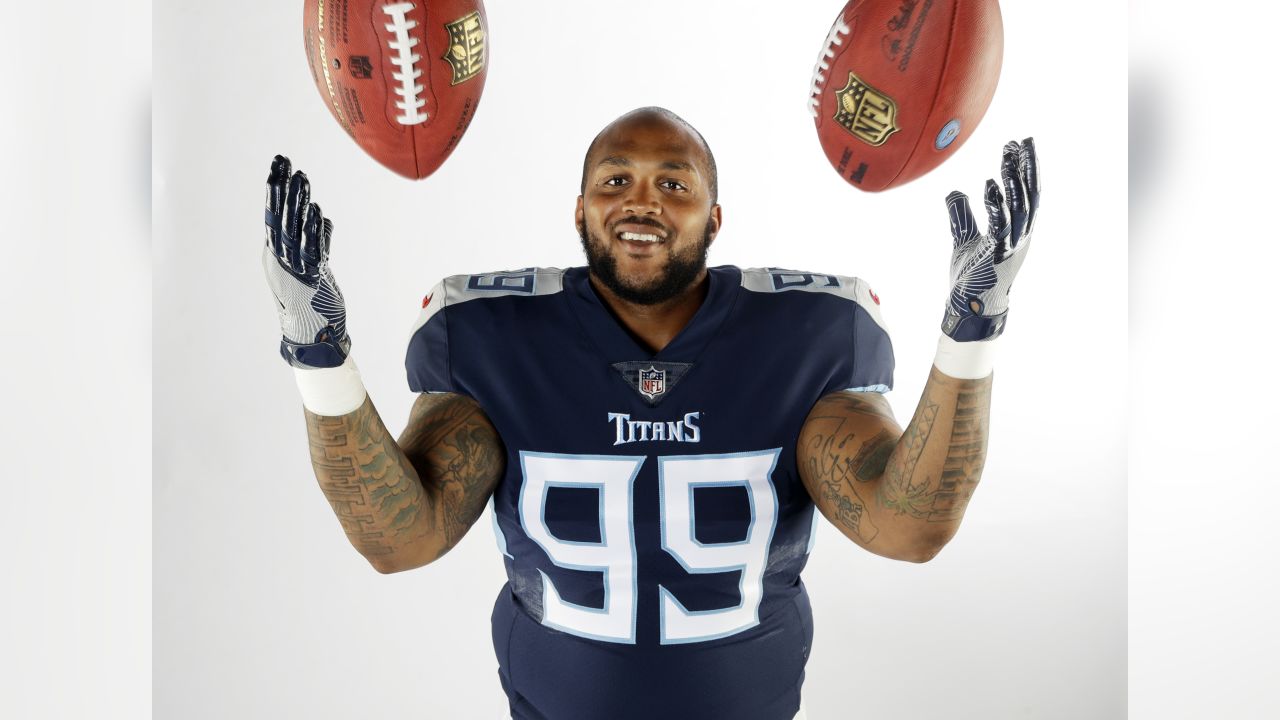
x=261, y=607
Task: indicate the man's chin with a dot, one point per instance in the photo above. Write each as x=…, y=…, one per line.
x=635, y=288
x=642, y=281
x=644, y=278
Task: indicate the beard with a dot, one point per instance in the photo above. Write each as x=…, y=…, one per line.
x=675, y=277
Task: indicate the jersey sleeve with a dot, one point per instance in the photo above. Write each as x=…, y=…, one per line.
x=872, y=369
x=427, y=361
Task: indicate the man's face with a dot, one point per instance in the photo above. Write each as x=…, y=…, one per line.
x=645, y=216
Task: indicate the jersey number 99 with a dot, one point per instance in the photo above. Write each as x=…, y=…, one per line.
x=614, y=555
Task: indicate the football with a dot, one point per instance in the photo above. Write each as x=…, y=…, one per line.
x=901, y=84
x=403, y=79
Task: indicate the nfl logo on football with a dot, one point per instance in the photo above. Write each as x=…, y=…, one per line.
x=653, y=382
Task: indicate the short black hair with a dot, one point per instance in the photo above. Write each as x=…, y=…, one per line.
x=714, y=179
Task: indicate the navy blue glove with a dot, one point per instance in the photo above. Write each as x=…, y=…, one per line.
x=313, y=314
x=983, y=266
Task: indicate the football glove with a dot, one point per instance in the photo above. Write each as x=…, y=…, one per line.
x=983, y=266
x=313, y=314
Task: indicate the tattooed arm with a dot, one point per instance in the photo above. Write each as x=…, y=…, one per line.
x=903, y=494
x=402, y=504
x=405, y=504
x=898, y=494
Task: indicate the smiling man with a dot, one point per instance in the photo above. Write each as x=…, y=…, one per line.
x=647, y=245
x=656, y=437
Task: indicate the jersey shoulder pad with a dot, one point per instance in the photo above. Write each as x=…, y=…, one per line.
x=778, y=280
x=457, y=289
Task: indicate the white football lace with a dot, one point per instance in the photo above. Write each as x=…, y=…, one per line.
x=409, y=103
x=828, y=52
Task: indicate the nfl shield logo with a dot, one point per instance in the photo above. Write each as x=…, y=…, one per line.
x=653, y=382
x=866, y=112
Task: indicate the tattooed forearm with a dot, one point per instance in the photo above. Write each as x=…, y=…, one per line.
x=368, y=481
x=901, y=491
x=909, y=488
x=966, y=453
x=413, y=499
x=939, y=489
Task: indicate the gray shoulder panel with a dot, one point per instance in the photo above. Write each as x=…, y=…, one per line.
x=776, y=280
x=462, y=288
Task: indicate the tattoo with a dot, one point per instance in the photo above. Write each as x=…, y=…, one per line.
x=873, y=456
x=915, y=473
x=899, y=492
x=966, y=454
x=390, y=495
x=942, y=499
x=458, y=453
x=837, y=461
x=365, y=478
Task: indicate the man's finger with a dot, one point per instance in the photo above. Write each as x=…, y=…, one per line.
x=277, y=182
x=1030, y=168
x=280, y=169
x=325, y=236
x=295, y=205
x=963, y=227
x=1014, y=191
x=295, y=209
x=312, y=232
x=997, y=218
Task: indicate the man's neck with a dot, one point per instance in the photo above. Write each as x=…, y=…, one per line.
x=654, y=326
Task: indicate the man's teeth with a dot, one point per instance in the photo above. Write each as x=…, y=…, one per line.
x=639, y=237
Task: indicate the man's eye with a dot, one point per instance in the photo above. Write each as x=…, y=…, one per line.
x=615, y=181
x=673, y=185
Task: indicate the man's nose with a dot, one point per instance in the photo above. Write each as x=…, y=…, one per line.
x=642, y=200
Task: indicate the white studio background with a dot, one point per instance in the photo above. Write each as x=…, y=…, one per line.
x=261, y=607
x=1204, y=574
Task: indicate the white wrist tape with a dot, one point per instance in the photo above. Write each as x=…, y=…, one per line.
x=331, y=391
x=965, y=360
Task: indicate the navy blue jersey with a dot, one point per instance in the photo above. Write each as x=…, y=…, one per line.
x=652, y=519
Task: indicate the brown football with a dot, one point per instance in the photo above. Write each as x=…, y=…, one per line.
x=901, y=84
x=403, y=79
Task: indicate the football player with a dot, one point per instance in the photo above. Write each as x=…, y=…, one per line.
x=653, y=435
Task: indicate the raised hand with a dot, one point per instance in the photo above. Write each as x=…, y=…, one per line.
x=313, y=314
x=983, y=266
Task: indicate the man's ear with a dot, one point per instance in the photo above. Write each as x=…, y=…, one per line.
x=716, y=219
x=579, y=217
